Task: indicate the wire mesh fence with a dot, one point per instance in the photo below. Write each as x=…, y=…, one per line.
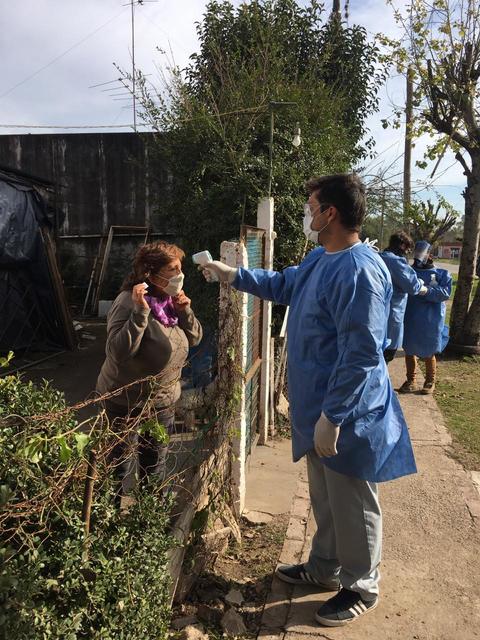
x=254, y=240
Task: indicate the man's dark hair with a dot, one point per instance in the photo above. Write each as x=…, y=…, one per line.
x=397, y=239
x=346, y=192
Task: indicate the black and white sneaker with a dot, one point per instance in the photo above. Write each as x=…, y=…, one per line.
x=297, y=574
x=344, y=608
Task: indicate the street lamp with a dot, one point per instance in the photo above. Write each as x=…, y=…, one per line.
x=296, y=142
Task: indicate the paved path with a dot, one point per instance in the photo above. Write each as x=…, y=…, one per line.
x=453, y=268
x=430, y=587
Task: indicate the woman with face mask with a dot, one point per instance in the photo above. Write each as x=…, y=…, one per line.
x=150, y=328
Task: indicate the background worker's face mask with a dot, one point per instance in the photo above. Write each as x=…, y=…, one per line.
x=311, y=234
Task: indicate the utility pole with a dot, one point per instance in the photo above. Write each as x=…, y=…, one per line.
x=133, y=66
x=382, y=219
x=272, y=105
x=407, y=159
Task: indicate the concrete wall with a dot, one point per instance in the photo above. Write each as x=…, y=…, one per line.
x=102, y=180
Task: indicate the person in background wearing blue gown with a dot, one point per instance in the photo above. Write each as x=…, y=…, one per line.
x=345, y=416
x=425, y=333
x=405, y=282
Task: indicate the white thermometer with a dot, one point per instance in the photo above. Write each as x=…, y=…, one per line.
x=202, y=258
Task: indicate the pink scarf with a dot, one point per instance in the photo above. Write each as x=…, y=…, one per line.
x=163, y=310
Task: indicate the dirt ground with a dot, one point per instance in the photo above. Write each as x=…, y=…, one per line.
x=431, y=562
x=247, y=568
x=74, y=372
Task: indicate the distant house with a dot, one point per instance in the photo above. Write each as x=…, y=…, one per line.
x=448, y=250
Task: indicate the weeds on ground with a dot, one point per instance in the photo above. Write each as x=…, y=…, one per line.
x=457, y=397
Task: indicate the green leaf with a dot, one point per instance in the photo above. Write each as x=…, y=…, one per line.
x=65, y=449
x=82, y=440
x=4, y=362
x=155, y=429
x=33, y=450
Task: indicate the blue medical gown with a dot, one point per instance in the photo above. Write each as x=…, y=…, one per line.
x=336, y=335
x=405, y=281
x=424, y=323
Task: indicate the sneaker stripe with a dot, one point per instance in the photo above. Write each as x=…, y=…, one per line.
x=353, y=611
x=307, y=577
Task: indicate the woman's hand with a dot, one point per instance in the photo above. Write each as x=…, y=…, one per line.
x=138, y=295
x=181, y=301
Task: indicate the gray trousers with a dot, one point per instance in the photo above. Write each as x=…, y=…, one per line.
x=348, y=541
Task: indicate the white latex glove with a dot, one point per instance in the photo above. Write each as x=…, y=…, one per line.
x=222, y=272
x=423, y=290
x=325, y=437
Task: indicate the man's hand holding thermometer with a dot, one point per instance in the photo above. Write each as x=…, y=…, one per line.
x=214, y=270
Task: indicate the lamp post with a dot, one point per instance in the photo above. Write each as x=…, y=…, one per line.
x=297, y=140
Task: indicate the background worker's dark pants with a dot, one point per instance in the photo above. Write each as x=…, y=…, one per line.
x=134, y=456
x=389, y=355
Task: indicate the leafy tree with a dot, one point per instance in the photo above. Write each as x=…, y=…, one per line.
x=213, y=119
x=442, y=46
x=431, y=222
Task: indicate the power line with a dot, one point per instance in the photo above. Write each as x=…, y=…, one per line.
x=102, y=84
x=77, y=126
x=35, y=73
x=261, y=107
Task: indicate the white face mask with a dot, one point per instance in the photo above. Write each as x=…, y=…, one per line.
x=310, y=234
x=174, y=285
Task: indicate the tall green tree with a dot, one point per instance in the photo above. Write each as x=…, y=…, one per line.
x=442, y=45
x=213, y=118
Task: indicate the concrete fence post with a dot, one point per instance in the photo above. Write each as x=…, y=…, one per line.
x=232, y=345
x=265, y=220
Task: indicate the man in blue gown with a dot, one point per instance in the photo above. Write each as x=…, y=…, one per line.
x=345, y=416
x=405, y=282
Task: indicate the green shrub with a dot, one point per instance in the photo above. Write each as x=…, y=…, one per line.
x=53, y=582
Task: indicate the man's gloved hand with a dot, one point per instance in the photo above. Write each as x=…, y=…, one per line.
x=423, y=290
x=325, y=437
x=220, y=272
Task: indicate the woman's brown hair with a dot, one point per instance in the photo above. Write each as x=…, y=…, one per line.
x=150, y=258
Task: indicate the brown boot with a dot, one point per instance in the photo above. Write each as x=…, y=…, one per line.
x=409, y=386
x=428, y=388
x=430, y=375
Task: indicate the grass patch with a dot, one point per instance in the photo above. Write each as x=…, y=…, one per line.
x=457, y=397
x=450, y=300
x=447, y=260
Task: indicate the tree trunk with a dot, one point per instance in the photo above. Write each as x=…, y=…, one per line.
x=472, y=323
x=407, y=158
x=465, y=325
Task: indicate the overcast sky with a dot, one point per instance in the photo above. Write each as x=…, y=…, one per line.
x=55, y=50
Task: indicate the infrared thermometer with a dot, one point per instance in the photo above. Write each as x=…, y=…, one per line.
x=202, y=258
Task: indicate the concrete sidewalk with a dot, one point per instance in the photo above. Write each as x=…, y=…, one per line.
x=430, y=587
